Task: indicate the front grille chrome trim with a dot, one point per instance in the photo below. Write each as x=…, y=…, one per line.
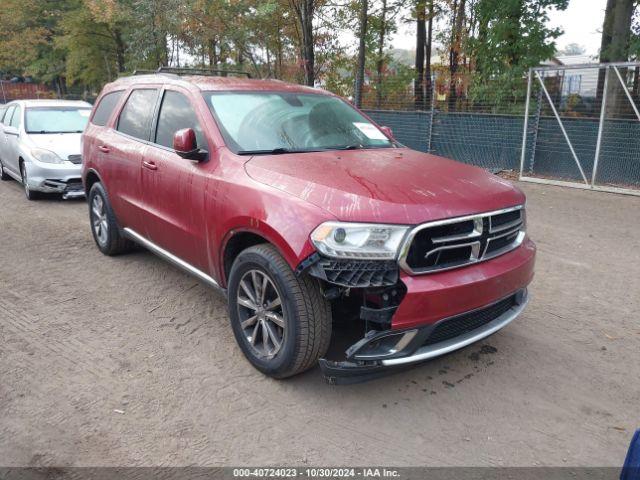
x=478, y=221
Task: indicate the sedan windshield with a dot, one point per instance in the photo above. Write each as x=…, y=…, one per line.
x=277, y=122
x=56, y=119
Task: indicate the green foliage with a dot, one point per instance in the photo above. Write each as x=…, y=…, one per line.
x=513, y=36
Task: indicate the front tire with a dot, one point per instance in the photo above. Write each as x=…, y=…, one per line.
x=281, y=321
x=104, y=226
x=30, y=194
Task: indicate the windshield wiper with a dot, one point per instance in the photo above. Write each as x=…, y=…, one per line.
x=352, y=146
x=52, y=132
x=273, y=151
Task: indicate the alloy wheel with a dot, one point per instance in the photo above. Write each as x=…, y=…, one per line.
x=99, y=219
x=260, y=313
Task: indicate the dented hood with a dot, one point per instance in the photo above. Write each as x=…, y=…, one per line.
x=392, y=185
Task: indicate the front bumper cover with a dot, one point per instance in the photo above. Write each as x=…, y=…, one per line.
x=56, y=178
x=411, y=346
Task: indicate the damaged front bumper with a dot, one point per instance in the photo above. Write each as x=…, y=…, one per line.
x=380, y=352
x=62, y=178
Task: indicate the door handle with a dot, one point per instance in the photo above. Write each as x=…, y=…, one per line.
x=103, y=148
x=151, y=165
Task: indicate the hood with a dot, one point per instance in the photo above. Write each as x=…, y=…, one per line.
x=399, y=186
x=62, y=144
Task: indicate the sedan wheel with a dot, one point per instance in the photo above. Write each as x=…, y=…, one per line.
x=3, y=174
x=260, y=313
x=30, y=194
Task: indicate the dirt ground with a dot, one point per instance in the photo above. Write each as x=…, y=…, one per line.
x=128, y=361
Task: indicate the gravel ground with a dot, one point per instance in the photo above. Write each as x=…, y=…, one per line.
x=127, y=361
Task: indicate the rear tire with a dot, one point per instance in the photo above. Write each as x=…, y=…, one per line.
x=104, y=227
x=300, y=321
x=3, y=175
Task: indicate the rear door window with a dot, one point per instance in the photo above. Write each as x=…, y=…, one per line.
x=105, y=108
x=136, y=115
x=175, y=114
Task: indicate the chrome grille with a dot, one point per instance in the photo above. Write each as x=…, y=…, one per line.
x=456, y=242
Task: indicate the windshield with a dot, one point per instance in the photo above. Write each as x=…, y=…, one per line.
x=56, y=119
x=275, y=122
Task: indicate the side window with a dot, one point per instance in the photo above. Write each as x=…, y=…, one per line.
x=135, y=118
x=105, y=108
x=175, y=114
x=7, y=115
x=16, y=120
x=2, y=110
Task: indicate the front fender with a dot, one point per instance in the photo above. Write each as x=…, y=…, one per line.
x=283, y=220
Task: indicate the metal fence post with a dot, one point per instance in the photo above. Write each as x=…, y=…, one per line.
x=526, y=123
x=433, y=107
x=603, y=108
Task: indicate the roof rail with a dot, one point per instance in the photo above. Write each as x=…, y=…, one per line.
x=195, y=71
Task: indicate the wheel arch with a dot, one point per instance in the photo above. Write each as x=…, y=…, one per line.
x=241, y=238
x=92, y=177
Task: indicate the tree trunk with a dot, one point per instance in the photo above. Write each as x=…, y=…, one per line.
x=616, y=34
x=304, y=10
x=429, y=47
x=421, y=33
x=364, y=7
x=454, y=51
x=380, y=59
x=117, y=37
x=213, y=54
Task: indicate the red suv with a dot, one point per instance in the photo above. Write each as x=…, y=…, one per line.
x=309, y=217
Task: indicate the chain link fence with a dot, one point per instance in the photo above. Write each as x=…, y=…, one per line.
x=583, y=127
x=455, y=119
x=582, y=122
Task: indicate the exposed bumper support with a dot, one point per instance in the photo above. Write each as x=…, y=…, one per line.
x=361, y=367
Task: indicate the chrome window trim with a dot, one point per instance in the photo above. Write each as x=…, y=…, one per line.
x=406, y=244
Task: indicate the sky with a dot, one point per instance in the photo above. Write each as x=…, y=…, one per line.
x=581, y=22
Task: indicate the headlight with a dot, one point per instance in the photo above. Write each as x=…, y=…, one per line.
x=45, y=156
x=358, y=240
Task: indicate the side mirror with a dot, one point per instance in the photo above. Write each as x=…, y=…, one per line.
x=9, y=130
x=186, y=145
x=388, y=132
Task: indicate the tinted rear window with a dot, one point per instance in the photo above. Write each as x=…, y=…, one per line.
x=135, y=118
x=106, y=107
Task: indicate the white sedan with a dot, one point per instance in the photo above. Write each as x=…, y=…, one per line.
x=40, y=145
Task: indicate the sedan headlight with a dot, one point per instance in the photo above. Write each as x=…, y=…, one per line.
x=45, y=156
x=363, y=241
